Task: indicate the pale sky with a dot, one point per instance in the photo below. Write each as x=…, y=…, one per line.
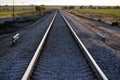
x=61, y=2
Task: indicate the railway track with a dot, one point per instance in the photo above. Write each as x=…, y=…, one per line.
x=62, y=56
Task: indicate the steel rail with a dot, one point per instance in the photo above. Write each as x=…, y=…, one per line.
x=99, y=73
x=31, y=66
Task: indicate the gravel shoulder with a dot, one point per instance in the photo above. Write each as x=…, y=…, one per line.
x=108, y=58
x=14, y=59
x=112, y=33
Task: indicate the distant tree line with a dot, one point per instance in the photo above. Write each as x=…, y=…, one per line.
x=68, y=7
x=92, y=7
x=99, y=7
x=17, y=8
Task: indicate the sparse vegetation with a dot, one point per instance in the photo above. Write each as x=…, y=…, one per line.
x=107, y=15
x=99, y=20
x=71, y=7
x=115, y=24
x=99, y=7
x=110, y=12
x=5, y=26
x=10, y=26
x=65, y=7
x=5, y=13
x=68, y=7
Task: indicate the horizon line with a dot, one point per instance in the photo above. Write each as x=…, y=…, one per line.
x=52, y=5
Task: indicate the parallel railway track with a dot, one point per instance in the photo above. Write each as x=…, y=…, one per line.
x=59, y=56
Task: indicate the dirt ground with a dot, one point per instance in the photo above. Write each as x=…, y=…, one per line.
x=112, y=37
x=105, y=51
x=99, y=17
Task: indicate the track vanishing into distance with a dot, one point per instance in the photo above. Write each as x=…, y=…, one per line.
x=62, y=56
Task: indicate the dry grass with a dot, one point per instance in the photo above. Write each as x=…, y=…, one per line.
x=111, y=12
x=6, y=13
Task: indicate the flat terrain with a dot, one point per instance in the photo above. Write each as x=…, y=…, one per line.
x=108, y=16
x=15, y=59
x=110, y=12
x=6, y=13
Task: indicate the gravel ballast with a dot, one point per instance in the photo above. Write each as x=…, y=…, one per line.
x=61, y=58
x=106, y=57
x=15, y=59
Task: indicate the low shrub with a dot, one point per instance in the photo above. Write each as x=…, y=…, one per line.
x=4, y=28
x=115, y=24
x=99, y=20
x=6, y=24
